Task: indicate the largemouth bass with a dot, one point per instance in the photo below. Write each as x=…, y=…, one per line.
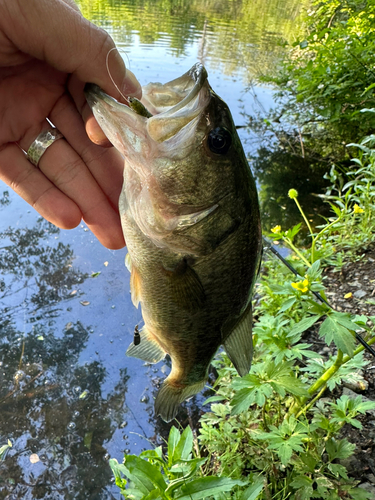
x=190, y=216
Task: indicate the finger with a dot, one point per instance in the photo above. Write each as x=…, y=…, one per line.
x=36, y=189
x=64, y=168
x=106, y=165
x=51, y=30
x=93, y=129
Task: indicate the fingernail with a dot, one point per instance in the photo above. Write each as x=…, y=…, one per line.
x=131, y=86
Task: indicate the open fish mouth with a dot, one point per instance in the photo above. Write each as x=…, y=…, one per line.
x=165, y=109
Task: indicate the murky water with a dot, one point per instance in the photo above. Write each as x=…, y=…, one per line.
x=69, y=398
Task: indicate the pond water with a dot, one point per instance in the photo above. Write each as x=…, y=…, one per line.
x=69, y=397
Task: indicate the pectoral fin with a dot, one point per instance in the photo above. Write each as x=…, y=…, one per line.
x=135, y=281
x=148, y=348
x=239, y=344
x=185, y=286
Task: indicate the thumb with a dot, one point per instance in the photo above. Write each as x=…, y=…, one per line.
x=54, y=31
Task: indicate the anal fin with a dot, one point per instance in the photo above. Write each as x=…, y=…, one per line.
x=147, y=349
x=239, y=344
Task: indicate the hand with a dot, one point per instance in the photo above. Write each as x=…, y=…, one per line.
x=47, y=53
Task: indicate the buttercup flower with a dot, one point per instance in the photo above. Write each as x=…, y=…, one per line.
x=301, y=286
x=357, y=209
x=276, y=229
x=292, y=193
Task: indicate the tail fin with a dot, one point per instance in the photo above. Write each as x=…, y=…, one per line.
x=171, y=396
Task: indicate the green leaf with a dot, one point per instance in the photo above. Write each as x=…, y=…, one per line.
x=309, y=461
x=145, y=475
x=313, y=271
x=253, y=491
x=339, y=449
x=288, y=304
x=205, y=487
x=153, y=495
x=173, y=439
x=338, y=470
x=344, y=320
x=303, y=325
x=360, y=494
x=187, y=467
x=118, y=470
x=292, y=385
x=184, y=446
x=344, y=340
x=331, y=330
x=213, y=399
x=301, y=482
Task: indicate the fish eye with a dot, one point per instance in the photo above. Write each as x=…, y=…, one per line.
x=219, y=140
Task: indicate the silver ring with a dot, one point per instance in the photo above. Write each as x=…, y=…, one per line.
x=44, y=140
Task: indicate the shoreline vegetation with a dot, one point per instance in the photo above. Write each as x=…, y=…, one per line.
x=283, y=430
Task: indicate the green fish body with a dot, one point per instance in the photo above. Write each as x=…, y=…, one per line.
x=190, y=216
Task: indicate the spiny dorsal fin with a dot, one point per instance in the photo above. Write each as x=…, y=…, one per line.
x=148, y=348
x=239, y=344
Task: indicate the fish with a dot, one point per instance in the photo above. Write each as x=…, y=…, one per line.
x=190, y=217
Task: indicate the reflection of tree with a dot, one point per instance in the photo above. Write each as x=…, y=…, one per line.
x=240, y=33
x=277, y=171
x=50, y=404
x=5, y=200
x=55, y=408
x=46, y=269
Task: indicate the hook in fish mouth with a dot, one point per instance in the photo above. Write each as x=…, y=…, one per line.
x=164, y=109
x=196, y=75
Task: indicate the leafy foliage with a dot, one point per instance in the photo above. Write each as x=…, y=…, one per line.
x=153, y=475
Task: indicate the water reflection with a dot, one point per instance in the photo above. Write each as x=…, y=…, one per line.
x=277, y=171
x=5, y=200
x=235, y=36
x=51, y=405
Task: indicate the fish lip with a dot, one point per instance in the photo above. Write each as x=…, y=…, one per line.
x=198, y=73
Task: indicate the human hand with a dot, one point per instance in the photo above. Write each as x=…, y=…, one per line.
x=47, y=53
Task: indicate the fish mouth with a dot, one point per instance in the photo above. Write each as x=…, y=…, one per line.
x=171, y=107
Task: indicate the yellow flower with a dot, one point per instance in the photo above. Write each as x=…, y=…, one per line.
x=301, y=286
x=357, y=209
x=348, y=295
x=276, y=229
x=292, y=193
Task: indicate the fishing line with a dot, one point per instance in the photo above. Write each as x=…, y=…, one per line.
x=110, y=76
x=268, y=246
